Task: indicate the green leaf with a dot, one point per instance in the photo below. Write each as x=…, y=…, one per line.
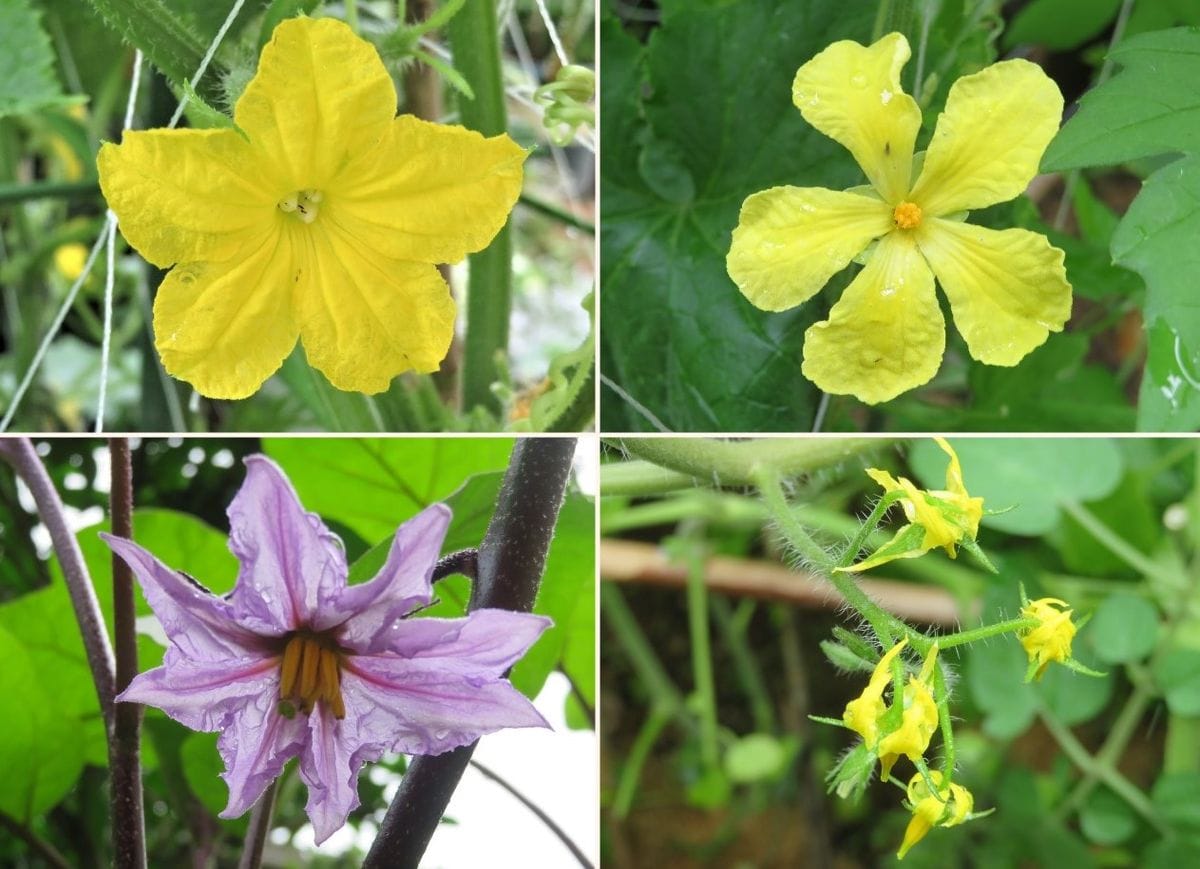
x=27, y=79
x=1130, y=512
x=173, y=46
x=202, y=768
x=1124, y=629
x=1061, y=24
x=755, y=758
x=1174, y=795
x=1073, y=698
x=1106, y=818
x=845, y=659
x=278, y=11
x=1178, y=676
x=42, y=749
x=994, y=679
x=1033, y=476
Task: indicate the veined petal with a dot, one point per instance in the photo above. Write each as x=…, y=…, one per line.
x=790, y=241
x=225, y=327
x=320, y=99
x=365, y=318
x=186, y=195
x=291, y=565
x=204, y=695
x=852, y=94
x=416, y=708
x=990, y=139
x=329, y=765
x=1007, y=288
x=487, y=641
x=255, y=746
x=429, y=193
x=886, y=334
x=368, y=614
x=198, y=623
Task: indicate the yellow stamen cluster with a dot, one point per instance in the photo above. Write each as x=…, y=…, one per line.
x=302, y=203
x=310, y=671
x=907, y=215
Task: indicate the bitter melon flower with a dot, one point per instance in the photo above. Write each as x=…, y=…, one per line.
x=939, y=517
x=950, y=807
x=296, y=663
x=868, y=716
x=1007, y=288
x=1051, y=639
x=320, y=218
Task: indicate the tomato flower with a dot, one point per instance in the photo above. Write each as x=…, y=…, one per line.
x=1051, y=639
x=1007, y=288
x=949, y=808
x=320, y=217
x=296, y=663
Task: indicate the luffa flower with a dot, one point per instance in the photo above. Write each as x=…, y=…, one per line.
x=948, y=808
x=321, y=217
x=940, y=517
x=1007, y=288
x=296, y=663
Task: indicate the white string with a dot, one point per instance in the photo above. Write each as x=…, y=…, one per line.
x=110, y=276
x=208, y=56
x=635, y=404
x=558, y=46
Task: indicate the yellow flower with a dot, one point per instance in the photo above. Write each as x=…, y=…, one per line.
x=1007, y=288
x=918, y=720
x=321, y=218
x=863, y=713
x=69, y=259
x=938, y=517
x=1051, y=639
x=953, y=807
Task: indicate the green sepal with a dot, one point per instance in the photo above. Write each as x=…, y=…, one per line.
x=845, y=658
x=1072, y=664
x=836, y=722
x=851, y=775
x=972, y=547
x=908, y=543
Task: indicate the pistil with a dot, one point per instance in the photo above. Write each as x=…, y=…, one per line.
x=302, y=203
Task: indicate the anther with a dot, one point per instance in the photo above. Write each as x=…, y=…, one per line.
x=288, y=204
x=907, y=215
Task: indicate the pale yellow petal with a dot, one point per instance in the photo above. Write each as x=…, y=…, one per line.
x=321, y=98
x=225, y=327
x=852, y=94
x=1007, y=288
x=886, y=334
x=990, y=139
x=365, y=318
x=184, y=195
x=790, y=241
x=430, y=192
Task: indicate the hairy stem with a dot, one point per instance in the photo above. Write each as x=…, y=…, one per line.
x=129, y=826
x=511, y=559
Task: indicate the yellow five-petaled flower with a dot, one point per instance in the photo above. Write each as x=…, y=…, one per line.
x=321, y=217
x=1007, y=288
x=1051, y=639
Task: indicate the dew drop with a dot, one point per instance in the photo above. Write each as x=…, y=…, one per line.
x=885, y=97
x=441, y=734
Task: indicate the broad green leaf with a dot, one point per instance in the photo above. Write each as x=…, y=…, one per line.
x=1071, y=697
x=202, y=768
x=754, y=758
x=1174, y=795
x=1033, y=476
x=1178, y=675
x=994, y=676
x=1060, y=24
x=27, y=80
x=170, y=43
x=42, y=750
x=1130, y=512
x=1124, y=629
x=1106, y=819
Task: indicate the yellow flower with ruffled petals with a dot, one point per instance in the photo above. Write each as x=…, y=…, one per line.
x=1051, y=639
x=1007, y=288
x=953, y=807
x=918, y=720
x=321, y=217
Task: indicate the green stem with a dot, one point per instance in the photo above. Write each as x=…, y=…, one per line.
x=1110, y=540
x=882, y=14
x=747, y=668
x=473, y=37
x=631, y=770
x=351, y=7
x=641, y=479
x=560, y=214
x=49, y=190
x=868, y=527
x=619, y=619
x=771, y=487
x=702, y=671
x=942, y=697
x=963, y=638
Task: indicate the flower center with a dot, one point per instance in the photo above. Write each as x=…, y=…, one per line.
x=302, y=203
x=310, y=671
x=907, y=215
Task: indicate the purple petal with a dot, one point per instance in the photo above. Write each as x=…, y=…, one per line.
x=255, y=746
x=204, y=696
x=201, y=625
x=291, y=564
x=367, y=612
x=329, y=765
x=416, y=707
x=486, y=641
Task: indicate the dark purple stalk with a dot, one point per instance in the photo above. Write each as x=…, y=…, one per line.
x=510, y=563
x=260, y=825
x=125, y=768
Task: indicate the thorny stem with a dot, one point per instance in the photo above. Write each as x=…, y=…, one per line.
x=260, y=825
x=125, y=796
x=20, y=453
x=537, y=810
x=511, y=559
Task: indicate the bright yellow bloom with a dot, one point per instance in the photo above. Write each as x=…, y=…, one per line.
x=929, y=811
x=69, y=259
x=1051, y=639
x=863, y=713
x=918, y=720
x=946, y=516
x=321, y=218
x=1007, y=288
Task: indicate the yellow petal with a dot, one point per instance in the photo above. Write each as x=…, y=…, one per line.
x=1007, y=288
x=862, y=713
x=225, y=327
x=790, y=241
x=321, y=97
x=430, y=192
x=365, y=318
x=186, y=195
x=852, y=94
x=990, y=139
x=917, y=829
x=886, y=334
x=954, y=477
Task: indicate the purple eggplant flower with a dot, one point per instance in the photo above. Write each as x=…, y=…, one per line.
x=296, y=663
